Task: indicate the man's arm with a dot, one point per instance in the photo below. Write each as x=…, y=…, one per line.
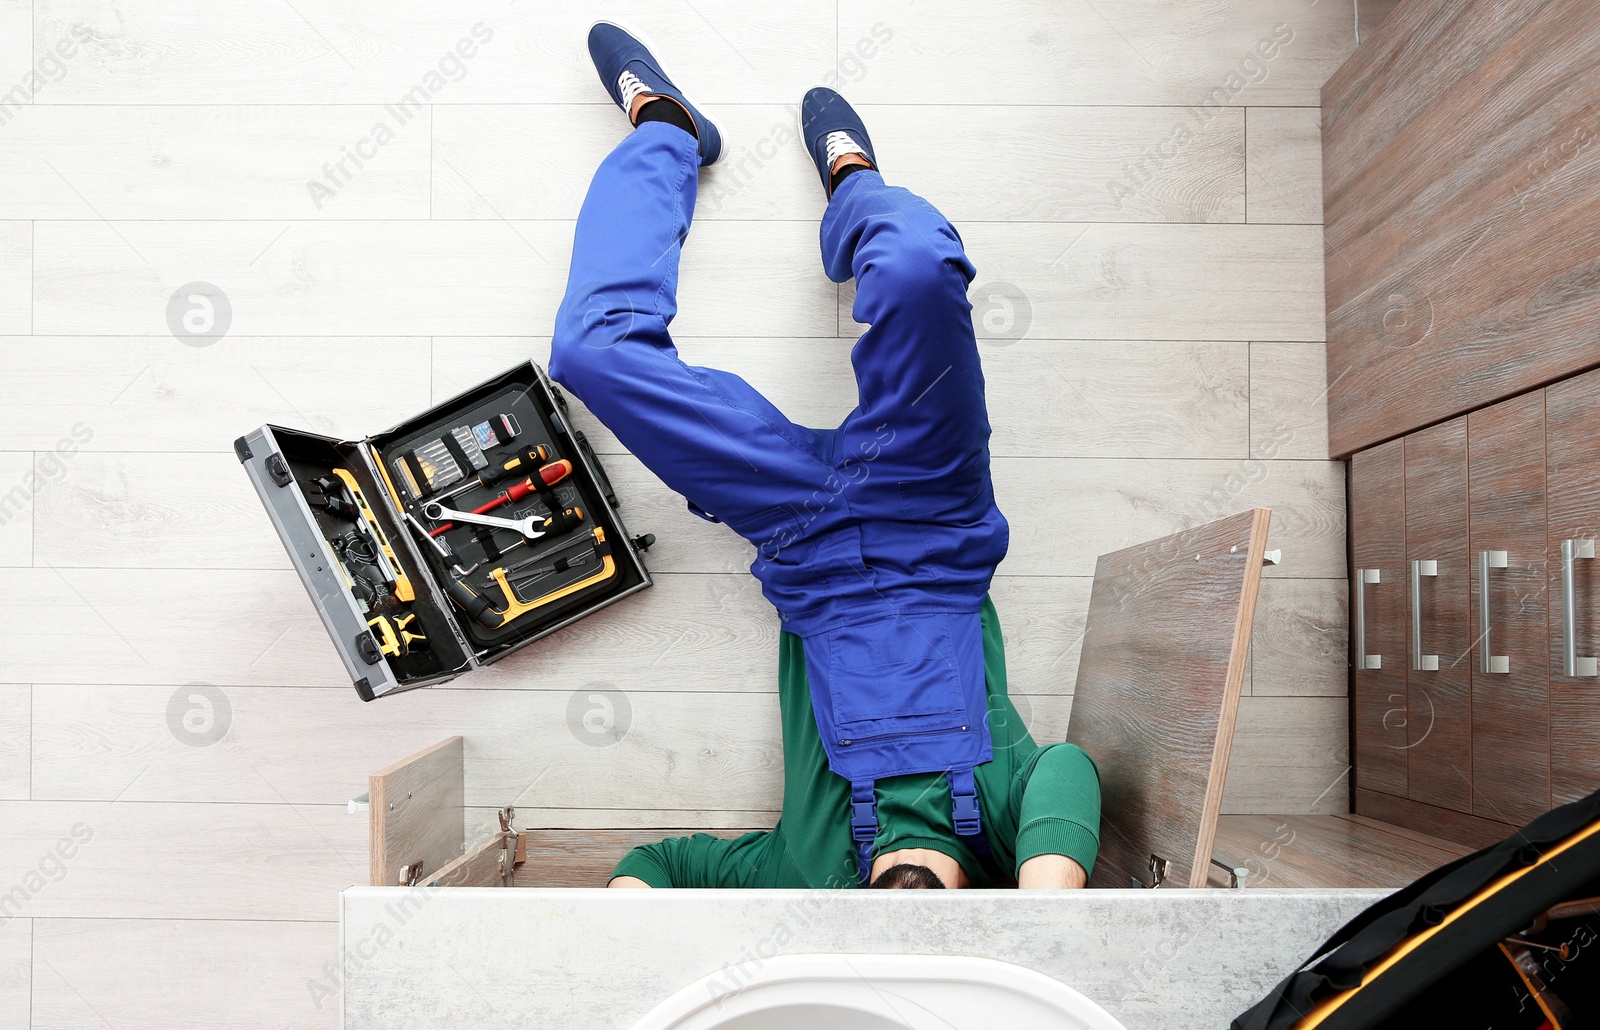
x=699, y=860
x=1058, y=829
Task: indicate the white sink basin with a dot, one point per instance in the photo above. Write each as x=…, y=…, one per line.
x=877, y=992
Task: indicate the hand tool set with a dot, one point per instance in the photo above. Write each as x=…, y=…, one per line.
x=402, y=538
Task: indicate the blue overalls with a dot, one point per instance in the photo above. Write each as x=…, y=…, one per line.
x=875, y=541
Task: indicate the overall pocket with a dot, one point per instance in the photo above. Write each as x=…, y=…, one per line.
x=899, y=675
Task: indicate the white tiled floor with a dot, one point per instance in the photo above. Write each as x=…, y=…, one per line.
x=1159, y=363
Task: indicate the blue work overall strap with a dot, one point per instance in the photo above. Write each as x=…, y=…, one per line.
x=965, y=811
x=863, y=825
x=902, y=695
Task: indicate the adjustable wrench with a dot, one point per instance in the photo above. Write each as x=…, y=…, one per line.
x=439, y=513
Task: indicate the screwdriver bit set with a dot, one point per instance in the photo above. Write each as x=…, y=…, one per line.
x=452, y=539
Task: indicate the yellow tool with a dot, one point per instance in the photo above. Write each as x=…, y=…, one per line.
x=515, y=606
x=403, y=590
x=484, y=612
x=393, y=634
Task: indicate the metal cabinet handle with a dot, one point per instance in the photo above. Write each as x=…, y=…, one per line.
x=1364, y=660
x=1571, y=664
x=1420, y=661
x=1489, y=662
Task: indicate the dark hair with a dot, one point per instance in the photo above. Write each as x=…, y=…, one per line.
x=906, y=876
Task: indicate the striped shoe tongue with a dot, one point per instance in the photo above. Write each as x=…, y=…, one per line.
x=840, y=143
x=630, y=86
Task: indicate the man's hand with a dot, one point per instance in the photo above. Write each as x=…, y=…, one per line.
x=634, y=881
x=1050, y=872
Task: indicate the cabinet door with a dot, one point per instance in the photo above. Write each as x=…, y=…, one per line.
x=1572, y=436
x=1438, y=685
x=1378, y=593
x=1510, y=580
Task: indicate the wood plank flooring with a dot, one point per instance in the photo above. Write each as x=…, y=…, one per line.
x=1329, y=851
x=1136, y=183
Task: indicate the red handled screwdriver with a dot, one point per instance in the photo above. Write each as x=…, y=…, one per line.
x=525, y=459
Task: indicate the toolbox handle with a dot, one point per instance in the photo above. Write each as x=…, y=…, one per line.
x=593, y=461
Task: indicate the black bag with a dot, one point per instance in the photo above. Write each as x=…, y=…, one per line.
x=1508, y=938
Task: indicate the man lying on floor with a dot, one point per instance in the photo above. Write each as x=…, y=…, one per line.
x=905, y=763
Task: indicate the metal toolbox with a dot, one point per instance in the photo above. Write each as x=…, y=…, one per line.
x=399, y=539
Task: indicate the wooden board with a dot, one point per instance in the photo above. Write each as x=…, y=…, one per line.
x=585, y=858
x=1471, y=830
x=482, y=865
x=1327, y=851
x=1377, y=543
x=1159, y=679
x=417, y=812
x=1510, y=710
x=1572, y=412
x=1438, y=717
x=1459, y=163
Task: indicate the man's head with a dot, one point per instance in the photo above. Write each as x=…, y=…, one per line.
x=907, y=876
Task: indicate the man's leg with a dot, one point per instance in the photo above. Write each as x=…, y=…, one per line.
x=708, y=434
x=916, y=366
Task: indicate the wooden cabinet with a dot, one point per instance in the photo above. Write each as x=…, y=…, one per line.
x=1438, y=685
x=1459, y=198
x=1378, y=694
x=1470, y=520
x=1510, y=674
x=1572, y=471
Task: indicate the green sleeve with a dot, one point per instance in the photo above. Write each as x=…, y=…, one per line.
x=1060, y=810
x=701, y=860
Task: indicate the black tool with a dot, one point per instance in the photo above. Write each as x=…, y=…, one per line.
x=558, y=566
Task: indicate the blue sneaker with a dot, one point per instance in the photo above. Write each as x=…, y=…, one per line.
x=830, y=127
x=627, y=68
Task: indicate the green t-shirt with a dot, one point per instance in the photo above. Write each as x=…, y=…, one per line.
x=1035, y=801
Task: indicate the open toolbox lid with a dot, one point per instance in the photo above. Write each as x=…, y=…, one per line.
x=285, y=464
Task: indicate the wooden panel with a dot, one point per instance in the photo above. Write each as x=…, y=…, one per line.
x=585, y=858
x=482, y=865
x=1377, y=541
x=1283, y=151
x=190, y=861
x=16, y=743
x=1460, y=164
x=1439, y=701
x=1132, y=52
x=1301, y=639
x=19, y=493
x=248, y=53
x=1288, y=400
x=16, y=967
x=1092, y=506
x=1459, y=827
x=416, y=812
x=1369, y=15
x=1328, y=851
x=1064, y=163
x=1290, y=754
x=419, y=277
x=1573, y=438
x=131, y=161
x=1510, y=711
x=1158, y=689
x=16, y=287
x=155, y=974
x=1147, y=282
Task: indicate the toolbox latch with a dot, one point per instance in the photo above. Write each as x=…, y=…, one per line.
x=367, y=648
x=278, y=469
